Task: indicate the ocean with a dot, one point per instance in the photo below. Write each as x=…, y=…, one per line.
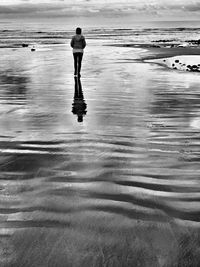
x=102, y=170
x=13, y=34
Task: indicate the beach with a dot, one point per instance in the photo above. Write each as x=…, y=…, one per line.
x=104, y=176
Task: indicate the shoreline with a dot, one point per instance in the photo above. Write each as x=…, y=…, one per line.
x=176, y=58
x=158, y=52
x=162, y=54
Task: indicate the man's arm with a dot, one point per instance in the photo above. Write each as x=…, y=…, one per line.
x=84, y=43
x=72, y=42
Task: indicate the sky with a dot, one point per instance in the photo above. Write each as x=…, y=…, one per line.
x=102, y=9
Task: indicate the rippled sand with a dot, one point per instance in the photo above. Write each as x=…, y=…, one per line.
x=98, y=172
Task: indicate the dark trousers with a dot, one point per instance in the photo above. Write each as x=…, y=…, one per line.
x=77, y=62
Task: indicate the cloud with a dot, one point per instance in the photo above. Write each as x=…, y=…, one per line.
x=32, y=9
x=103, y=8
x=192, y=7
x=61, y=9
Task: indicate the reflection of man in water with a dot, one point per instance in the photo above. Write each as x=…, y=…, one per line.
x=79, y=106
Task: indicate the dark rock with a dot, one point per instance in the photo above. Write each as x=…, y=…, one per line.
x=176, y=61
x=181, y=29
x=173, y=65
x=163, y=41
x=24, y=45
x=196, y=42
x=156, y=46
x=195, y=70
x=32, y=49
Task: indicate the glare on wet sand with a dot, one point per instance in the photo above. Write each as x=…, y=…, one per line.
x=98, y=172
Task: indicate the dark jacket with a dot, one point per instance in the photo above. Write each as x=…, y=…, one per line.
x=78, y=41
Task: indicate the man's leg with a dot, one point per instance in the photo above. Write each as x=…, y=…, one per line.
x=75, y=63
x=80, y=56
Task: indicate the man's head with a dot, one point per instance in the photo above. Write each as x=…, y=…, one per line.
x=78, y=30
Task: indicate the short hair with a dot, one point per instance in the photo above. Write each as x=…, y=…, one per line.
x=78, y=30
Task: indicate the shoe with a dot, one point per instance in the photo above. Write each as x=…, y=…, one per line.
x=79, y=75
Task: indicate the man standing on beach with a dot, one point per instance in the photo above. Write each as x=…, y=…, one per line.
x=78, y=44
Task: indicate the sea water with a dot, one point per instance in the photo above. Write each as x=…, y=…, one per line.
x=98, y=172
x=13, y=34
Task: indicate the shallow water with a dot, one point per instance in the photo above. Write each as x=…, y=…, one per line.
x=66, y=184
x=15, y=33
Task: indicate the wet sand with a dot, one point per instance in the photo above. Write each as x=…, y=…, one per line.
x=156, y=51
x=163, y=52
x=118, y=186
